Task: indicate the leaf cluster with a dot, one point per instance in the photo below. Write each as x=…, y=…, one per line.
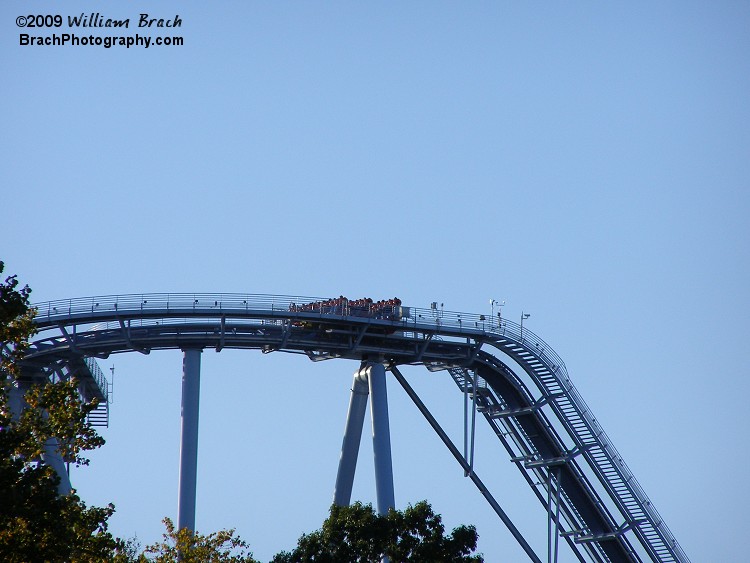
x=37, y=524
x=54, y=411
x=357, y=533
x=187, y=546
x=16, y=322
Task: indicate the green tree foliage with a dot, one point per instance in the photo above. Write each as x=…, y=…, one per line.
x=16, y=322
x=192, y=547
x=54, y=411
x=357, y=534
x=37, y=524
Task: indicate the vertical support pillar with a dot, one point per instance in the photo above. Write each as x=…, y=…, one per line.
x=16, y=402
x=51, y=455
x=381, y=439
x=474, y=391
x=355, y=418
x=191, y=381
x=554, y=520
x=557, y=514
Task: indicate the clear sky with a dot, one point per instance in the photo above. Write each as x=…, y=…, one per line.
x=586, y=163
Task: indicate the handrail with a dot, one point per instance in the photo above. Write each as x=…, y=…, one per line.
x=97, y=374
x=237, y=302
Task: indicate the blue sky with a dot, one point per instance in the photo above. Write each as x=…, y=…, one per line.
x=585, y=163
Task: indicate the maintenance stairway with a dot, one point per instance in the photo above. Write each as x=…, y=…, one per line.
x=624, y=505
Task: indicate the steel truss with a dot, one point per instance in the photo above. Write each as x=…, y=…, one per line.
x=511, y=376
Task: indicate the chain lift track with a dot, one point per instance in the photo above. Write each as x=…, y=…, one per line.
x=513, y=378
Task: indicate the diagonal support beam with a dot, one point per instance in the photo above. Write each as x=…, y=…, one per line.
x=342, y=492
x=360, y=336
x=475, y=351
x=423, y=348
x=456, y=454
x=70, y=339
x=286, y=333
x=369, y=380
x=126, y=334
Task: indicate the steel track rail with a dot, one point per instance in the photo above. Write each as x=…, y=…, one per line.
x=604, y=506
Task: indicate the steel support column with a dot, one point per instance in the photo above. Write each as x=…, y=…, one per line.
x=342, y=493
x=381, y=439
x=369, y=379
x=51, y=455
x=191, y=381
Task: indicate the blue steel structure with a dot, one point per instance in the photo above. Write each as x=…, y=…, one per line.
x=505, y=372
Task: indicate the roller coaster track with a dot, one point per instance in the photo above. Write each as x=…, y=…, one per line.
x=514, y=378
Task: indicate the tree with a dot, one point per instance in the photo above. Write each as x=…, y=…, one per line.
x=357, y=533
x=16, y=323
x=37, y=524
x=191, y=547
